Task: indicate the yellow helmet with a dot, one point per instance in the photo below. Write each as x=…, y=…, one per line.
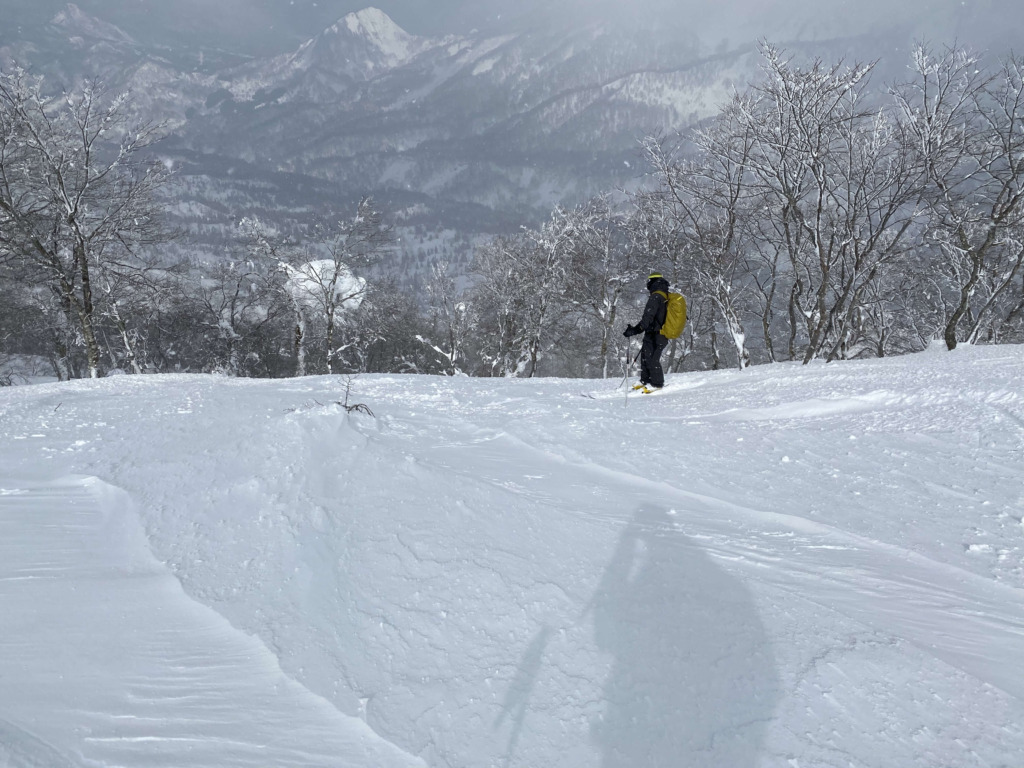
x=656, y=281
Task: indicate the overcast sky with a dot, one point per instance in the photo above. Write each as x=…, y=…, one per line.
x=419, y=16
x=261, y=26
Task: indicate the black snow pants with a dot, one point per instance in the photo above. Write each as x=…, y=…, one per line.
x=650, y=359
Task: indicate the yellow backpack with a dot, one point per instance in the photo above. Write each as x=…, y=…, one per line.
x=675, y=315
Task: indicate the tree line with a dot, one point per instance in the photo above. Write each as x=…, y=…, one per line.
x=818, y=216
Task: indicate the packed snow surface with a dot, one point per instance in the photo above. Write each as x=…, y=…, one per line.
x=792, y=566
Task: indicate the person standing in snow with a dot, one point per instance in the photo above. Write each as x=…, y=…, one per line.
x=652, y=378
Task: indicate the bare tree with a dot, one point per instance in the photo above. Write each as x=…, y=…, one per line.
x=76, y=195
x=544, y=265
x=330, y=282
x=316, y=278
x=706, y=198
x=450, y=319
x=839, y=194
x=966, y=123
x=237, y=303
x=383, y=335
x=286, y=273
x=520, y=297
x=604, y=259
x=499, y=303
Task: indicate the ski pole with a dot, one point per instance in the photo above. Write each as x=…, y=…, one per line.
x=629, y=365
x=629, y=370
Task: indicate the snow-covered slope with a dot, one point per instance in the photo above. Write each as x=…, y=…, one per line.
x=786, y=567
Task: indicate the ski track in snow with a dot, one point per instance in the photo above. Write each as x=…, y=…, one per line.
x=792, y=566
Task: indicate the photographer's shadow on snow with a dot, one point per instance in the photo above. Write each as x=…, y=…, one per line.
x=693, y=682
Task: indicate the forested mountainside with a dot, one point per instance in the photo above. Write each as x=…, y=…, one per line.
x=458, y=135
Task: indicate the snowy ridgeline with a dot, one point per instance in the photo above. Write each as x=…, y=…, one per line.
x=791, y=567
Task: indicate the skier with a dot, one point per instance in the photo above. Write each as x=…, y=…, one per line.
x=652, y=378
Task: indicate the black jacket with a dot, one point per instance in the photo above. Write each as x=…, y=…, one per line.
x=656, y=309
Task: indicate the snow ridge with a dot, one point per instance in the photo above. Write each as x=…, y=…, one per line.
x=75, y=20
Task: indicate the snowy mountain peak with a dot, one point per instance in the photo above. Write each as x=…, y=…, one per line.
x=75, y=21
x=380, y=31
x=358, y=47
x=370, y=19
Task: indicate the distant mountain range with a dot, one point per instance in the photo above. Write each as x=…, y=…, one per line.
x=457, y=136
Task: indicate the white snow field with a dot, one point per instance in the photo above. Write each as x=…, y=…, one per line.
x=789, y=567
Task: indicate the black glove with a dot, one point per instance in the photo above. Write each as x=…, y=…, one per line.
x=631, y=330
